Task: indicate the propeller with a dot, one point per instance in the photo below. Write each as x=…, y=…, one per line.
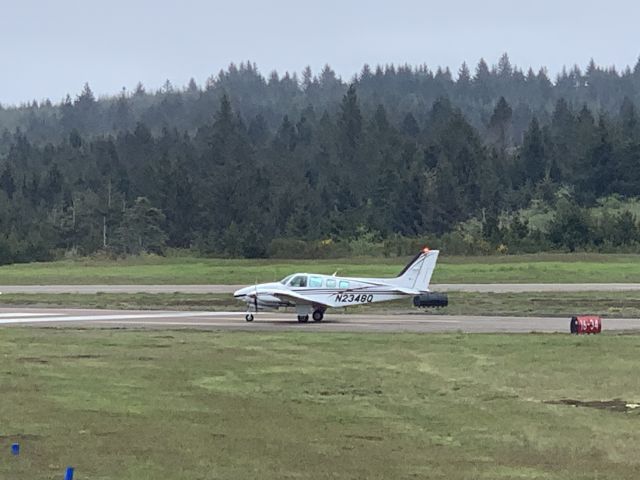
x=255, y=297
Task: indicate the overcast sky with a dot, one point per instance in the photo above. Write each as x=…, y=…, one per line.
x=49, y=48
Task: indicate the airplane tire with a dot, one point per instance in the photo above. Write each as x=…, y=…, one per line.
x=303, y=318
x=318, y=315
x=248, y=317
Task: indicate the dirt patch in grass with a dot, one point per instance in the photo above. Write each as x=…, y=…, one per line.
x=371, y=438
x=41, y=361
x=615, y=405
x=82, y=356
x=20, y=437
x=47, y=360
x=348, y=390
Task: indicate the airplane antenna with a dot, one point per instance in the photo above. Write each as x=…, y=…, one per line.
x=335, y=273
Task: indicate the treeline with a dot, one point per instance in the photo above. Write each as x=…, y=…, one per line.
x=324, y=181
x=400, y=89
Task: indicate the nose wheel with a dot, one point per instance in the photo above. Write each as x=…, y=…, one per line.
x=248, y=317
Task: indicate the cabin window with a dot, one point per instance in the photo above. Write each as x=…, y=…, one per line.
x=299, y=281
x=344, y=284
x=315, y=282
x=331, y=283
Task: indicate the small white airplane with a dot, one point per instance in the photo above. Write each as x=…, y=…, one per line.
x=313, y=293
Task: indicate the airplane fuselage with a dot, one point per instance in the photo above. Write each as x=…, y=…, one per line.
x=324, y=290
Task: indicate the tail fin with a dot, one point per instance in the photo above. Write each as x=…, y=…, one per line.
x=417, y=274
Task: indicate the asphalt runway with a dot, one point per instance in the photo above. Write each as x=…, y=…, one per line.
x=228, y=289
x=281, y=322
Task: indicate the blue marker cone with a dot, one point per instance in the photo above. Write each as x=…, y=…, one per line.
x=15, y=449
x=69, y=474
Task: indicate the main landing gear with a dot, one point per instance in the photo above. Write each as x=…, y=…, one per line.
x=317, y=316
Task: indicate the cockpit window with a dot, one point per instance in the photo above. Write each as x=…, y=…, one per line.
x=285, y=279
x=298, y=281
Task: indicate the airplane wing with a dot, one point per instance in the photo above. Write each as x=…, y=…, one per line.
x=290, y=296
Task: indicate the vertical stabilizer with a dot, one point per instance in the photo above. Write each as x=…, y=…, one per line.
x=417, y=274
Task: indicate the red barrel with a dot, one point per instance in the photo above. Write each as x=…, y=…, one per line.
x=585, y=324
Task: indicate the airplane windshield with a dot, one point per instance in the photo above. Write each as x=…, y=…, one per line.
x=298, y=281
x=285, y=280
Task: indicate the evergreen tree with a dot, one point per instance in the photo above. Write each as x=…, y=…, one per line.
x=570, y=227
x=532, y=154
x=350, y=125
x=410, y=125
x=500, y=124
x=7, y=183
x=141, y=229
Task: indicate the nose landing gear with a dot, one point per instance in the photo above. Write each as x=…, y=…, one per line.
x=248, y=317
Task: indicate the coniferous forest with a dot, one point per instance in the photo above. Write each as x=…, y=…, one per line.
x=310, y=165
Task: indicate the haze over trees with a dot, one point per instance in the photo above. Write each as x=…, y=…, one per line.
x=253, y=166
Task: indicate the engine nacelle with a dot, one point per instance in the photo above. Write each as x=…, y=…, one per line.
x=431, y=300
x=265, y=302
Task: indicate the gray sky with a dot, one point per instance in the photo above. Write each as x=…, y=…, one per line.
x=51, y=47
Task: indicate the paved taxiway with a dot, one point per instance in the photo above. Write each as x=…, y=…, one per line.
x=227, y=289
x=278, y=322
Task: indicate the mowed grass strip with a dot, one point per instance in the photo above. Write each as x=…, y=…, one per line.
x=607, y=304
x=141, y=405
x=547, y=268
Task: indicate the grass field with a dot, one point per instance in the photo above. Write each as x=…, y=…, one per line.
x=548, y=268
x=607, y=304
x=132, y=405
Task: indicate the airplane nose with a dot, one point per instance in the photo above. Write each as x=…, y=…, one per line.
x=243, y=292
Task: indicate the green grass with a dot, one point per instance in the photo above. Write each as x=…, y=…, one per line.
x=132, y=405
x=607, y=304
x=558, y=304
x=545, y=268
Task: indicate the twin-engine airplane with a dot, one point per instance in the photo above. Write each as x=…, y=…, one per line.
x=313, y=293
